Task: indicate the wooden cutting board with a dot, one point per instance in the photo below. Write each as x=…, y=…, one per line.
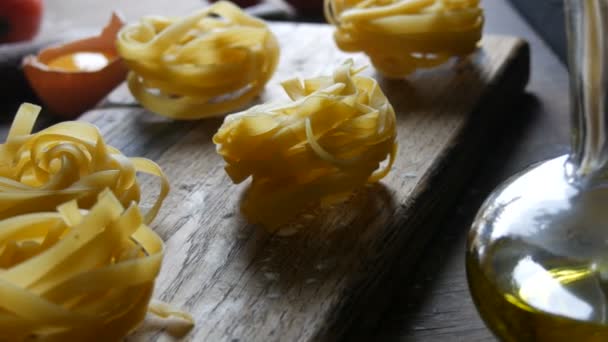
x=243, y=284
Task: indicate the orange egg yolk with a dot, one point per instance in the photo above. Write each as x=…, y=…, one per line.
x=81, y=61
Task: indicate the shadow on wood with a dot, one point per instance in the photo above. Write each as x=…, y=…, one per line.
x=324, y=245
x=418, y=93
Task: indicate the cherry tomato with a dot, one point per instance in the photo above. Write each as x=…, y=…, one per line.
x=19, y=20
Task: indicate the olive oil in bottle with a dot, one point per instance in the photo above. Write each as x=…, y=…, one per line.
x=537, y=253
x=537, y=263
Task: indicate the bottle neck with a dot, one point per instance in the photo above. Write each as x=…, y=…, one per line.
x=587, y=25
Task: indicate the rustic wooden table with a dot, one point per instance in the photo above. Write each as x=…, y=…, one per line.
x=433, y=302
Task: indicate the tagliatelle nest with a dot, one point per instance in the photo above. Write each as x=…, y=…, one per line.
x=401, y=36
x=328, y=141
x=73, y=275
x=206, y=64
x=70, y=160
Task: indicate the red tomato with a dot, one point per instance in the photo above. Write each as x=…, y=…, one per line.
x=19, y=19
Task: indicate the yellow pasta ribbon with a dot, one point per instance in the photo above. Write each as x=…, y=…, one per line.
x=70, y=160
x=329, y=140
x=401, y=36
x=78, y=275
x=206, y=64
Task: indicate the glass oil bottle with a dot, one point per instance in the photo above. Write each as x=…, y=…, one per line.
x=537, y=253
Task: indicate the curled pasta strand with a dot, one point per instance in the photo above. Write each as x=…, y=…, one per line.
x=70, y=160
x=76, y=275
x=328, y=140
x=206, y=64
x=401, y=36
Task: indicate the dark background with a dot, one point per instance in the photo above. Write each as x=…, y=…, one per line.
x=547, y=18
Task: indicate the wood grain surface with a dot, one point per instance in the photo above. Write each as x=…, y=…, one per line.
x=241, y=283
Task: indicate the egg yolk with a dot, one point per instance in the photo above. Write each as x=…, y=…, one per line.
x=81, y=61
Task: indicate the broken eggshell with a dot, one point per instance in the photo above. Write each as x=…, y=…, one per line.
x=69, y=93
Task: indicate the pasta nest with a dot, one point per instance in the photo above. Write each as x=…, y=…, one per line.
x=70, y=160
x=330, y=139
x=401, y=36
x=206, y=64
x=74, y=275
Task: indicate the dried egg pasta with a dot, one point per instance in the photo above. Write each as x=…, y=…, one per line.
x=77, y=275
x=401, y=36
x=70, y=160
x=330, y=139
x=206, y=64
